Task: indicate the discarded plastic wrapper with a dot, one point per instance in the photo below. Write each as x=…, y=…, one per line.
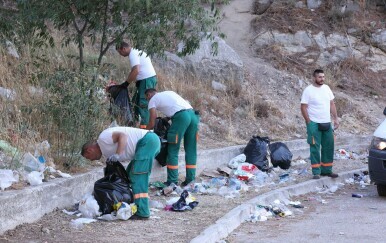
x=7, y=178
x=183, y=204
x=78, y=223
x=89, y=207
x=233, y=163
x=35, y=178
x=125, y=211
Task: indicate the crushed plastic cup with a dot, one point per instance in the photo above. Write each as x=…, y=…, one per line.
x=31, y=163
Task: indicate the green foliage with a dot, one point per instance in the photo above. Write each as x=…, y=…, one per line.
x=69, y=116
x=151, y=25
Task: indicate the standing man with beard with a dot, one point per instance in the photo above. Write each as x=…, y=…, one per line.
x=317, y=106
x=143, y=74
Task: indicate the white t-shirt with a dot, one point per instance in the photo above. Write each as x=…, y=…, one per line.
x=168, y=102
x=146, y=69
x=318, y=100
x=108, y=147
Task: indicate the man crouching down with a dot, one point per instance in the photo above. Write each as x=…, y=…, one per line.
x=138, y=146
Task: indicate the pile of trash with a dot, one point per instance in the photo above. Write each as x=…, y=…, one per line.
x=344, y=154
x=32, y=168
x=277, y=209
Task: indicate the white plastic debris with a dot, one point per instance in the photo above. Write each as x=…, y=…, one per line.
x=155, y=204
x=35, y=178
x=124, y=212
x=7, y=178
x=64, y=175
x=234, y=163
x=89, y=207
x=68, y=212
x=79, y=223
x=31, y=163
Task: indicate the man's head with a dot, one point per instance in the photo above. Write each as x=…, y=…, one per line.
x=318, y=77
x=150, y=93
x=91, y=151
x=123, y=48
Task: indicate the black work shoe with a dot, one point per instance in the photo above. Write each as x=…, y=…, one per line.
x=137, y=217
x=332, y=175
x=185, y=183
x=316, y=177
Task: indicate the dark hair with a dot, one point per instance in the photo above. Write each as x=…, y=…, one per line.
x=151, y=90
x=122, y=45
x=317, y=71
x=85, y=146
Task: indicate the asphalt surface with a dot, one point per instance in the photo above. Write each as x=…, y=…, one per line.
x=341, y=218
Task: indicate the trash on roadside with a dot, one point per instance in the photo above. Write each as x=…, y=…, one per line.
x=125, y=211
x=357, y=195
x=31, y=163
x=155, y=204
x=7, y=177
x=263, y=213
x=157, y=184
x=35, y=178
x=68, y=212
x=79, y=223
x=112, y=188
x=281, y=156
x=185, y=202
x=233, y=163
x=64, y=175
x=169, y=189
x=211, y=173
x=256, y=152
x=89, y=207
x=225, y=170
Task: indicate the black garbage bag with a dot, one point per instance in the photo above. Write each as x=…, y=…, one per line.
x=256, y=152
x=120, y=107
x=181, y=204
x=112, y=188
x=161, y=128
x=280, y=155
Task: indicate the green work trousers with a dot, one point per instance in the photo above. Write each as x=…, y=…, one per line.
x=139, y=171
x=140, y=101
x=184, y=125
x=321, y=148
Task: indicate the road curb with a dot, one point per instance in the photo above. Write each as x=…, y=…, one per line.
x=234, y=218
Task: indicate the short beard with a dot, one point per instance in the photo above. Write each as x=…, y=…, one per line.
x=317, y=83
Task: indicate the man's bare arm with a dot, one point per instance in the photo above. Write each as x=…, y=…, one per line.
x=121, y=139
x=153, y=116
x=334, y=114
x=303, y=109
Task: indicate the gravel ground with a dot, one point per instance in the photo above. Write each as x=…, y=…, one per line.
x=166, y=226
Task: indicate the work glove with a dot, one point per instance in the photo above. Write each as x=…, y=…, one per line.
x=113, y=159
x=125, y=84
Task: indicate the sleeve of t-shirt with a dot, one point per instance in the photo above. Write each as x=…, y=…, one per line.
x=106, y=137
x=151, y=103
x=305, y=97
x=330, y=94
x=134, y=57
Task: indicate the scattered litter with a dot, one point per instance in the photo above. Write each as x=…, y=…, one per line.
x=89, y=207
x=7, y=177
x=185, y=202
x=155, y=204
x=35, y=178
x=64, y=175
x=263, y=213
x=357, y=195
x=234, y=163
x=125, y=211
x=68, y=212
x=79, y=223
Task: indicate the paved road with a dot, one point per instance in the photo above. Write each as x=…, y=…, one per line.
x=342, y=219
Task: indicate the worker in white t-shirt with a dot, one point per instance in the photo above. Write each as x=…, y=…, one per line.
x=139, y=147
x=184, y=126
x=317, y=106
x=143, y=73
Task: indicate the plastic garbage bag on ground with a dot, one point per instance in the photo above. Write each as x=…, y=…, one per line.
x=182, y=204
x=280, y=155
x=112, y=188
x=89, y=207
x=7, y=178
x=35, y=178
x=256, y=152
x=125, y=211
x=234, y=163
